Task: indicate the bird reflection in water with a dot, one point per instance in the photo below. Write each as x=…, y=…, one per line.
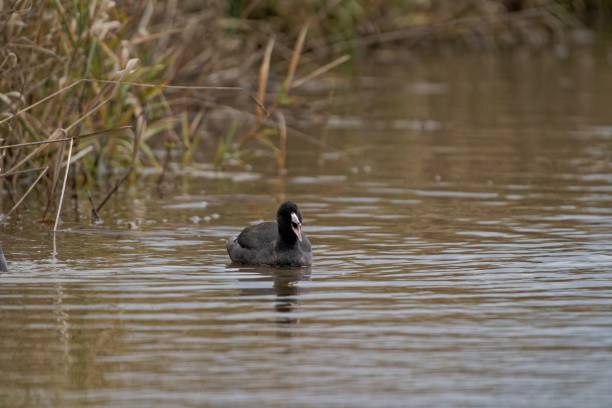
x=283, y=285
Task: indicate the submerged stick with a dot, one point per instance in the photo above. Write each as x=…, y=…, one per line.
x=59, y=207
x=115, y=188
x=54, y=253
x=3, y=267
x=95, y=217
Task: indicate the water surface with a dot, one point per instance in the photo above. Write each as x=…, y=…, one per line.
x=462, y=227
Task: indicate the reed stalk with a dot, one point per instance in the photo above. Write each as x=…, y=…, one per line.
x=61, y=200
x=264, y=72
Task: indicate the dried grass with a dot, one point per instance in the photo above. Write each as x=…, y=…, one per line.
x=295, y=58
x=70, y=69
x=264, y=72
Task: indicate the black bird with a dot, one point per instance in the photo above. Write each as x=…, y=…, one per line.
x=273, y=243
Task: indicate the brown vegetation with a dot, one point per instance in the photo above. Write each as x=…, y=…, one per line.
x=100, y=87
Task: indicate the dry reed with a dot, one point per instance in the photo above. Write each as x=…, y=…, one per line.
x=61, y=200
x=264, y=72
x=74, y=72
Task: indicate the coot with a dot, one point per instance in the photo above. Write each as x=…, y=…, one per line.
x=273, y=243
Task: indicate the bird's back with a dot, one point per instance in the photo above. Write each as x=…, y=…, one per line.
x=258, y=236
x=258, y=244
x=254, y=245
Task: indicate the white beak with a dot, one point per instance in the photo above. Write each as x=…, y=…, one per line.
x=296, y=226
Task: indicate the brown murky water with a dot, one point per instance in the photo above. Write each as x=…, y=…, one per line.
x=462, y=231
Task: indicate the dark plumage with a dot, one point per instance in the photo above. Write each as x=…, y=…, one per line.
x=273, y=243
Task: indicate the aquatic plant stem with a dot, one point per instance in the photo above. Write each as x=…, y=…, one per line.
x=59, y=207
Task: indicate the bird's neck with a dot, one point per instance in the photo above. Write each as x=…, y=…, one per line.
x=287, y=237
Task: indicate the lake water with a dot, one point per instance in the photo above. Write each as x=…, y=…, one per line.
x=461, y=216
